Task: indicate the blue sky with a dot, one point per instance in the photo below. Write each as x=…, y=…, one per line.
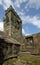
x=29, y=12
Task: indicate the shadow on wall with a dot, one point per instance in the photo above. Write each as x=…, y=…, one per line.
x=1, y=56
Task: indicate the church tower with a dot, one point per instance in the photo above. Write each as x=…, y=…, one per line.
x=12, y=24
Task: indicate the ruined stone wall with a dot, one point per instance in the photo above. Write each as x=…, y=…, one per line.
x=32, y=43
x=36, y=38
x=8, y=51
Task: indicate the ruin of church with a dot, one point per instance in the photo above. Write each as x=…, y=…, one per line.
x=11, y=40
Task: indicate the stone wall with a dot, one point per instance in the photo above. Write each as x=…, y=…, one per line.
x=32, y=43
x=8, y=50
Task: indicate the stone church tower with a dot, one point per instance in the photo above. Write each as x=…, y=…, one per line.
x=12, y=24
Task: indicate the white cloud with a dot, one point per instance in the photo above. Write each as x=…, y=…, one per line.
x=33, y=4
x=21, y=13
x=23, y=31
x=0, y=2
x=17, y=3
x=1, y=26
x=21, y=1
x=33, y=20
x=27, y=34
x=6, y=3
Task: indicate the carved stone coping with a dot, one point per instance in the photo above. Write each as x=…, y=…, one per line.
x=9, y=40
x=13, y=41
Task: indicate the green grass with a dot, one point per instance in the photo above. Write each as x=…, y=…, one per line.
x=30, y=59
x=24, y=59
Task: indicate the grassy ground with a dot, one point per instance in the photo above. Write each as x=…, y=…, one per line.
x=24, y=59
x=27, y=59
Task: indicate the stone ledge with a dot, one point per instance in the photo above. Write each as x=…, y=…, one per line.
x=10, y=57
